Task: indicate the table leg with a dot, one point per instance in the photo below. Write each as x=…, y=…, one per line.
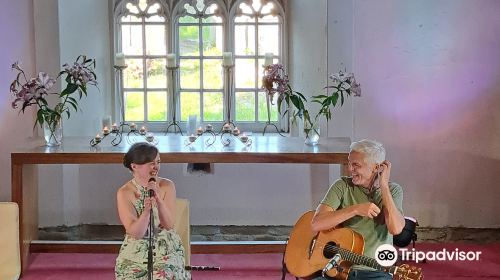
x=25, y=194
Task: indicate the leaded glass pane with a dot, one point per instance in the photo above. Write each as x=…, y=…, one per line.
x=189, y=40
x=157, y=106
x=269, y=39
x=155, y=40
x=212, y=106
x=187, y=19
x=157, y=73
x=245, y=73
x=212, y=74
x=244, y=39
x=212, y=40
x=262, y=108
x=155, y=18
x=132, y=39
x=130, y=18
x=190, y=73
x=133, y=75
x=134, y=106
x=190, y=104
x=245, y=106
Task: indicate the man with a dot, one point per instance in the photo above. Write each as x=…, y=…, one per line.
x=366, y=202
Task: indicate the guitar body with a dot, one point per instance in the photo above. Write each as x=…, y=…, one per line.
x=305, y=254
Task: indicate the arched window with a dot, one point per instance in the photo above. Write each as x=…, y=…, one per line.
x=198, y=32
x=200, y=43
x=142, y=31
x=258, y=28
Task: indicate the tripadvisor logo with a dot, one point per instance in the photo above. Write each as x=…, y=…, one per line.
x=387, y=255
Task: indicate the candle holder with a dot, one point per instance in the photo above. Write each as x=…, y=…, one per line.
x=228, y=81
x=172, y=81
x=200, y=132
x=227, y=136
x=117, y=132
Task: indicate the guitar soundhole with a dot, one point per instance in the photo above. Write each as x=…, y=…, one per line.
x=330, y=250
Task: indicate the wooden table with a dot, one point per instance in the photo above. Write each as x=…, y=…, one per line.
x=76, y=150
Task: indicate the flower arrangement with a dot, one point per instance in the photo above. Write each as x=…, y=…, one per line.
x=343, y=84
x=275, y=81
x=34, y=92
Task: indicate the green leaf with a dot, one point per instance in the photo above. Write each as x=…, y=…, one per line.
x=280, y=100
x=70, y=88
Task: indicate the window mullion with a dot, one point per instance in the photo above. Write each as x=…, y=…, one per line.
x=144, y=71
x=256, y=90
x=200, y=45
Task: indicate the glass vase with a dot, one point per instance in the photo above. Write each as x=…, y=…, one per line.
x=52, y=132
x=311, y=133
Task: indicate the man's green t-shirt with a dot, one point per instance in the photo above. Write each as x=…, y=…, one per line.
x=344, y=193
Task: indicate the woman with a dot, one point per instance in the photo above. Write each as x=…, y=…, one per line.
x=134, y=204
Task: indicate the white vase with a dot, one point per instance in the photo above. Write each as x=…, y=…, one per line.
x=52, y=132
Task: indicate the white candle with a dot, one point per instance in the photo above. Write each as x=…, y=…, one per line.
x=244, y=138
x=199, y=131
x=142, y=130
x=268, y=59
x=227, y=59
x=171, y=60
x=105, y=130
x=226, y=127
x=133, y=126
x=120, y=60
x=236, y=131
x=114, y=127
x=150, y=137
x=208, y=127
x=98, y=138
x=192, y=138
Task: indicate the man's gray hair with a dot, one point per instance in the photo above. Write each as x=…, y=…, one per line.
x=374, y=151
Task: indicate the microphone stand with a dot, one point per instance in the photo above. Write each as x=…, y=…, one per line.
x=150, y=239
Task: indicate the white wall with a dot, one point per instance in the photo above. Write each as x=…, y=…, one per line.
x=430, y=74
x=17, y=36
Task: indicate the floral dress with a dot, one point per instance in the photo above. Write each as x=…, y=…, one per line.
x=168, y=253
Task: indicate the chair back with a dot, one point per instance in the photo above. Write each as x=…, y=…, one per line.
x=10, y=260
x=182, y=226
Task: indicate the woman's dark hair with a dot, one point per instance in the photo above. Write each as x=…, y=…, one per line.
x=140, y=153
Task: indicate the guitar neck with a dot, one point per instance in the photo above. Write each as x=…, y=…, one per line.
x=364, y=260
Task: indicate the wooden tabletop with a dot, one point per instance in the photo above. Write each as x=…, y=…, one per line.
x=173, y=149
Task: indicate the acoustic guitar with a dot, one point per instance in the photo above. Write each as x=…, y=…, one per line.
x=308, y=252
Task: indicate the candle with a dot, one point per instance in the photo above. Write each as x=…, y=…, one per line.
x=244, y=138
x=236, y=131
x=120, y=60
x=199, y=131
x=150, y=137
x=226, y=127
x=98, y=138
x=105, y=130
x=192, y=138
x=142, y=130
x=208, y=127
x=171, y=60
x=114, y=127
x=227, y=59
x=268, y=60
x=133, y=126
